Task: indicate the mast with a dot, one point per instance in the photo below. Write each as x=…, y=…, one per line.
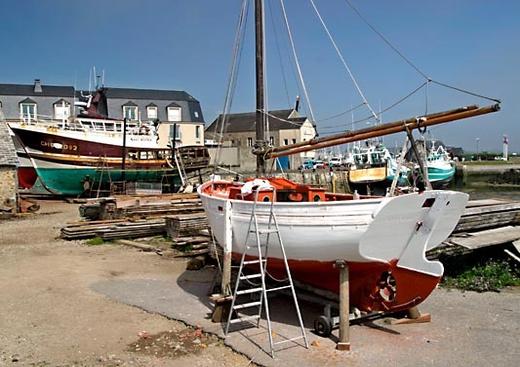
x=260, y=103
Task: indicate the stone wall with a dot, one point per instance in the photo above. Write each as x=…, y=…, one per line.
x=8, y=187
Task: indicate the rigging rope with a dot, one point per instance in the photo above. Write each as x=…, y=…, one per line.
x=228, y=100
x=342, y=113
x=409, y=62
x=295, y=56
x=282, y=69
x=340, y=55
x=368, y=118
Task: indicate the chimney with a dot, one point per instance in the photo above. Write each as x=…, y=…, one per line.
x=37, y=86
x=297, y=105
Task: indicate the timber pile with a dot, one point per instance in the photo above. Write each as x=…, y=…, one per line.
x=114, y=229
x=186, y=224
x=484, y=214
x=484, y=223
x=140, y=206
x=192, y=245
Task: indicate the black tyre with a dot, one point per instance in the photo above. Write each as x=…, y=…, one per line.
x=322, y=326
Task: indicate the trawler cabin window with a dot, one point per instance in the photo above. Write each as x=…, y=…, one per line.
x=28, y=111
x=130, y=112
x=151, y=112
x=174, y=113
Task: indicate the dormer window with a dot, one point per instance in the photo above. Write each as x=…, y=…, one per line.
x=174, y=112
x=28, y=110
x=151, y=111
x=130, y=111
x=61, y=109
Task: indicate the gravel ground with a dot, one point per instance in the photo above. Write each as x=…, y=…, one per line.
x=51, y=317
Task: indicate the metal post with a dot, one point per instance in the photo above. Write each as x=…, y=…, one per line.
x=344, y=306
x=260, y=104
x=123, y=150
x=424, y=169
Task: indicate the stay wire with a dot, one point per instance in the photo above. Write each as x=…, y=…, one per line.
x=276, y=40
x=233, y=74
x=410, y=63
x=401, y=100
x=344, y=62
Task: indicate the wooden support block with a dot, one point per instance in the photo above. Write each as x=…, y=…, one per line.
x=222, y=309
x=425, y=317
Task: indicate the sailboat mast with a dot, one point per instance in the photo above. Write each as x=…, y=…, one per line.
x=260, y=103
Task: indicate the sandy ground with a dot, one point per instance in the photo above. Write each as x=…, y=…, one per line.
x=64, y=303
x=50, y=316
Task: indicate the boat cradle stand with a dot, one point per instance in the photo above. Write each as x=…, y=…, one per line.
x=338, y=314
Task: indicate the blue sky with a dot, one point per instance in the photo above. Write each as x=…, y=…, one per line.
x=165, y=44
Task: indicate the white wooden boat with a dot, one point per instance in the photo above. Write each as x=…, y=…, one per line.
x=383, y=239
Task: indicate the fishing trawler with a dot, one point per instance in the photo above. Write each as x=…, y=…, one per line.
x=374, y=169
x=383, y=239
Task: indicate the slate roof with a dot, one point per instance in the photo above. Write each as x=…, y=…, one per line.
x=242, y=122
x=7, y=151
x=129, y=104
x=28, y=90
x=173, y=104
x=28, y=100
x=154, y=94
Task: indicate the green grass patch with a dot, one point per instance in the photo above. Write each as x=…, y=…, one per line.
x=96, y=241
x=491, y=276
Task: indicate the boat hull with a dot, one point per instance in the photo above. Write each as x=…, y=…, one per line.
x=376, y=236
x=74, y=180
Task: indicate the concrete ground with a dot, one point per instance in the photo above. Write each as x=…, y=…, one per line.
x=69, y=304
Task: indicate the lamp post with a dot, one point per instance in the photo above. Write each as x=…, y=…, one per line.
x=477, y=140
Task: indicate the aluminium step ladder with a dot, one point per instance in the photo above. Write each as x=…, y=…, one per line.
x=262, y=237
x=180, y=167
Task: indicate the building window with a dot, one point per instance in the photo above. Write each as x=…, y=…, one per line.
x=197, y=132
x=151, y=112
x=28, y=111
x=271, y=140
x=130, y=112
x=196, y=114
x=174, y=113
x=61, y=110
x=249, y=142
x=285, y=141
x=174, y=128
x=294, y=141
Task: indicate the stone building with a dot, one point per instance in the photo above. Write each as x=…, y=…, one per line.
x=285, y=127
x=165, y=108
x=8, y=173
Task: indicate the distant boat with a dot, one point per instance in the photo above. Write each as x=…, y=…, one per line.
x=441, y=168
x=374, y=165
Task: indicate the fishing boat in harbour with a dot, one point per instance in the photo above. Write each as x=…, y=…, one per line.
x=441, y=168
x=374, y=169
x=382, y=239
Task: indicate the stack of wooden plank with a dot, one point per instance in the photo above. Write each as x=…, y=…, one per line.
x=114, y=229
x=186, y=224
x=484, y=223
x=192, y=245
x=140, y=206
x=483, y=214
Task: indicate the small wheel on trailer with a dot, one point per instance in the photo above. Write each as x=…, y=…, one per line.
x=323, y=326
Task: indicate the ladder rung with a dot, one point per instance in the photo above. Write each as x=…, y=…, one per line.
x=252, y=276
x=245, y=318
x=247, y=305
x=250, y=290
x=289, y=340
x=254, y=261
x=278, y=288
x=264, y=231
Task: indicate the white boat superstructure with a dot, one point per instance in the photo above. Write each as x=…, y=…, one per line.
x=103, y=131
